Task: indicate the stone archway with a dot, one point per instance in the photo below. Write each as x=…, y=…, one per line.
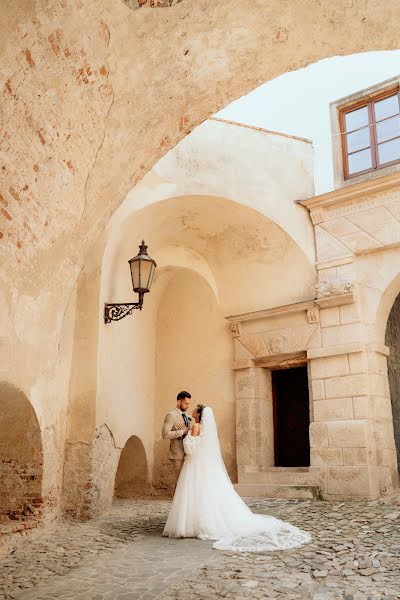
x=132, y=473
x=392, y=340
x=20, y=458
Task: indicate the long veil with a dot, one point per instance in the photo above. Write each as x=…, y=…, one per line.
x=213, y=510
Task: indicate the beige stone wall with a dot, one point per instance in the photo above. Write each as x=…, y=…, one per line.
x=358, y=238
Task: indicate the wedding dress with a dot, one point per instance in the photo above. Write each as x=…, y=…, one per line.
x=206, y=505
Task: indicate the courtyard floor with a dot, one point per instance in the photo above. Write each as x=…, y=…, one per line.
x=354, y=554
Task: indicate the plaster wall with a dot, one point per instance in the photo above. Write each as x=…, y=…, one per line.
x=193, y=352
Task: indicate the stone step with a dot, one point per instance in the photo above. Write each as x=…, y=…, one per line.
x=284, y=476
x=293, y=492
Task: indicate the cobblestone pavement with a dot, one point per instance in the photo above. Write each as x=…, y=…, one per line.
x=354, y=554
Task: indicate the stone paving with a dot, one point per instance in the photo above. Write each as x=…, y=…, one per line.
x=354, y=555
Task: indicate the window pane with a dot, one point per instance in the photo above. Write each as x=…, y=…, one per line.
x=388, y=129
x=359, y=161
x=358, y=139
x=389, y=151
x=387, y=107
x=356, y=118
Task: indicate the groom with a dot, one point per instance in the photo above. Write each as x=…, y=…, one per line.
x=175, y=428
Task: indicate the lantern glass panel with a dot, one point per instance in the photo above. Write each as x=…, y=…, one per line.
x=145, y=274
x=135, y=273
x=153, y=269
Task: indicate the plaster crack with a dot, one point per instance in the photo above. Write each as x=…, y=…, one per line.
x=109, y=87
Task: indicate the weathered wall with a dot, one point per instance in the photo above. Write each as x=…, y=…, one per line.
x=21, y=459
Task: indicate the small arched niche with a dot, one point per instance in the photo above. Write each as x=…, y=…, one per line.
x=392, y=340
x=131, y=479
x=21, y=463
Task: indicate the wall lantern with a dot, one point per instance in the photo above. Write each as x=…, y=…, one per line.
x=142, y=272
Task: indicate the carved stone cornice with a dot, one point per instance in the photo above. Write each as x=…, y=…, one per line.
x=271, y=312
x=337, y=300
x=350, y=193
x=334, y=293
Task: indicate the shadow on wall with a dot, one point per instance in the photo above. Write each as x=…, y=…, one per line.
x=132, y=479
x=21, y=460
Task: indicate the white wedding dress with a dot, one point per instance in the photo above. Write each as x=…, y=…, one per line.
x=206, y=506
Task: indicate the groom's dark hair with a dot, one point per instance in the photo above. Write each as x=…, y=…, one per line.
x=183, y=395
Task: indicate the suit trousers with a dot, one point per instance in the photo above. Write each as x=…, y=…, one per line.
x=176, y=467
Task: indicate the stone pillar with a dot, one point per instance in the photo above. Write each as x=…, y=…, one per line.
x=254, y=423
x=351, y=436
x=78, y=488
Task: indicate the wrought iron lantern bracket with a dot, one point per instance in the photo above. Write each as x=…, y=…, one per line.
x=116, y=312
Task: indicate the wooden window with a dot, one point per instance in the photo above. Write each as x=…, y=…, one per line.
x=370, y=132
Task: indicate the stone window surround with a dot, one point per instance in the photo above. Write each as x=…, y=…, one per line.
x=337, y=154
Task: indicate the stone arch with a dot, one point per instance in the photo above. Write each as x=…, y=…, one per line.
x=387, y=298
x=21, y=457
x=219, y=231
x=132, y=473
x=392, y=340
x=191, y=222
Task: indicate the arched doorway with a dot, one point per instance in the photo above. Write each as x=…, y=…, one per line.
x=132, y=475
x=20, y=457
x=392, y=340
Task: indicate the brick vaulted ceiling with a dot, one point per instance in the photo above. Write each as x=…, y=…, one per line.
x=94, y=92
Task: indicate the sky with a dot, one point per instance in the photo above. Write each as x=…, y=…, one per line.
x=297, y=103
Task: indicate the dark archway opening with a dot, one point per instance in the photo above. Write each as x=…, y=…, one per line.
x=21, y=460
x=131, y=479
x=392, y=340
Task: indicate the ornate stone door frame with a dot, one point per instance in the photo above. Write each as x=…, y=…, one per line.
x=266, y=340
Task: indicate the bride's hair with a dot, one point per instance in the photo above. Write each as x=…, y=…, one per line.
x=200, y=408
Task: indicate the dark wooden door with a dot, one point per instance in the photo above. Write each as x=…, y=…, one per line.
x=291, y=417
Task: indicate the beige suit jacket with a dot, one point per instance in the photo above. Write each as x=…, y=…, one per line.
x=170, y=431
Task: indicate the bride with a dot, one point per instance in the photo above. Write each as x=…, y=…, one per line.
x=206, y=506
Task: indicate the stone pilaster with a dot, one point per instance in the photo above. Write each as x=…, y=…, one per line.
x=254, y=423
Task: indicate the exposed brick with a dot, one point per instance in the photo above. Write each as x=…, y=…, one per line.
x=53, y=43
x=41, y=138
x=6, y=214
x=29, y=58
x=14, y=194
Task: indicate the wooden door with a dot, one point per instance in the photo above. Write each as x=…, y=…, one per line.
x=291, y=417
